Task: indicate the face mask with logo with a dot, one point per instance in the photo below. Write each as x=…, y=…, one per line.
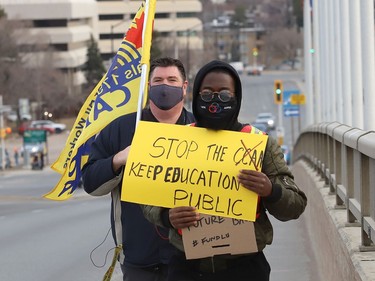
x=165, y=97
x=216, y=114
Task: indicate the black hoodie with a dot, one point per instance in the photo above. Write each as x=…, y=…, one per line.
x=212, y=66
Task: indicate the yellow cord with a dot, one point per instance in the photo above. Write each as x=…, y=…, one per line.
x=108, y=274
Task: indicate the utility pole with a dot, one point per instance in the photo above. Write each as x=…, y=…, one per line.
x=3, y=109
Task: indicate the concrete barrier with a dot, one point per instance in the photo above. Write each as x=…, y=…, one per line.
x=336, y=245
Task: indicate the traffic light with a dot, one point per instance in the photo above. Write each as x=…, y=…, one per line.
x=5, y=131
x=278, y=91
x=255, y=52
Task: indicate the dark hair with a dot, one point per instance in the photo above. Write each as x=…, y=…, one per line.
x=167, y=61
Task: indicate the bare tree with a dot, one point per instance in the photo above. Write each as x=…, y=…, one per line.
x=26, y=70
x=283, y=43
x=10, y=62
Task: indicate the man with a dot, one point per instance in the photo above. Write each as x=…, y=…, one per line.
x=146, y=250
x=217, y=98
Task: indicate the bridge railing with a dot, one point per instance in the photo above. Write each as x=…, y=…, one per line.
x=345, y=158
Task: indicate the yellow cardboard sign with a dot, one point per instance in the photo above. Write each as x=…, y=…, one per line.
x=172, y=165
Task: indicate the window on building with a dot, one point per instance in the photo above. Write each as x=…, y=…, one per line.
x=60, y=47
x=186, y=15
x=50, y=23
x=162, y=15
x=106, y=36
x=191, y=33
x=164, y=34
x=111, y=17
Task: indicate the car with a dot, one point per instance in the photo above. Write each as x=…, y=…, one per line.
x=23, y=127
x=34, y=148
x=13, y=117
x=238, y=66
x=285, y=150
x=254, y=69
x=266, y=118
x=48, y=125
x=261, y=126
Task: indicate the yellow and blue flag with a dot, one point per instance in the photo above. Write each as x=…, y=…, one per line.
x=115, y=95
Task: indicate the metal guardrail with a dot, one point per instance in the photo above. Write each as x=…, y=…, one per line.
x=345, y=158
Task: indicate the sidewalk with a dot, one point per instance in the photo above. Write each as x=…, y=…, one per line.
x=55, y=144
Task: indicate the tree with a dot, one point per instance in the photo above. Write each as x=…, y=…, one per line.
x=2, y=13
x=283, y=43
x=94, y=68
x=239, y=17
x=26, y=70
x=10, y=63
x=155, y=47
x=298, y=12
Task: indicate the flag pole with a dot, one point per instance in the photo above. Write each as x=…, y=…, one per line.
x=146, y=43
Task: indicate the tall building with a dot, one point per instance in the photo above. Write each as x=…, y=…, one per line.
x=65, y=25
x=176, y=21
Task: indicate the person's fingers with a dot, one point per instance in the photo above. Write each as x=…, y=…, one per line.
x=255, y=181
x=181, y=217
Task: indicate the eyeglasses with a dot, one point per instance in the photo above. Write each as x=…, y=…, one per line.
x=223, y=95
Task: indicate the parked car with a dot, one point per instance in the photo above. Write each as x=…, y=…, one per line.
x=254, y=69
x=48, y=125
x=261, y=126
x=285, y=150
x=23, y=127
x=34, y=148
x=12, y=116
x=238, y=66
x=266, y=118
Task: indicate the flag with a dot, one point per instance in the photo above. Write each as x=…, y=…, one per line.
x=115, y=95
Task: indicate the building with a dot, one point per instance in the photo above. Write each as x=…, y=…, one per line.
x=65, y=25
x=176, y=21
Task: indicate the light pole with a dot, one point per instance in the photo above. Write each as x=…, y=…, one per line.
x=2, y=110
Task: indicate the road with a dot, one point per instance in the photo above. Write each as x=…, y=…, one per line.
x=47, y=240
x=257, y=93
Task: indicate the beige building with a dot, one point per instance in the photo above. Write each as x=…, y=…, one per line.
x=67, y=25
x=176, y=21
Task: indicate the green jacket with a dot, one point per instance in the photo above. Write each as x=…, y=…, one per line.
x=286, y=201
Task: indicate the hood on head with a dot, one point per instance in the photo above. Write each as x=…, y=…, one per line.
x=210, y=67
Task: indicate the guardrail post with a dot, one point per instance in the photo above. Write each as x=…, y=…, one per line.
x=366, y=143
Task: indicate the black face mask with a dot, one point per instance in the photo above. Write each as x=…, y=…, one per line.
x=215, y=114
x=165, y=97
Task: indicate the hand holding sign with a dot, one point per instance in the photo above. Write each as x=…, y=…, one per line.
x=173, y=166
x=256, y=182
x=120, y=159
x=181, y=217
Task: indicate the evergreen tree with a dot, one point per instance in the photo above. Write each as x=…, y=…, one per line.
x=239, y=17
x=298, y=12
x=155, y=46
x=94, y=68
x=2, y=13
